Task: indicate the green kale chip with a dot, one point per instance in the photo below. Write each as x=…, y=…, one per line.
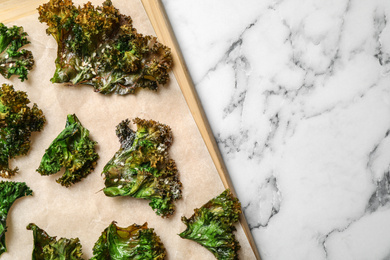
x=12, y=60
x=142, y=168
x=100, y=47
x=48, y=248
x=212, y=226
x=9, y=192
x=133, y=242
x=72, y=149
x=17, y=122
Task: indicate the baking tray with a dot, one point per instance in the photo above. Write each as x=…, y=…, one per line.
x=153, y=18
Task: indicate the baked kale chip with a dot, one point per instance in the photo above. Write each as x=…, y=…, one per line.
x=212, y=226
x=17, y=122
x=49, y=248
x=133, y=242
x=9, y=192
x=142, y=168
x=72, y=149
x=100, y=47
x=12, y=60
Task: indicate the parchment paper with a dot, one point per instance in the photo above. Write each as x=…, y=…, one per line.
x=83, y=210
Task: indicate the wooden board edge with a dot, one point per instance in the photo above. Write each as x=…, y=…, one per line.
x=9, y=11
x=160, y=22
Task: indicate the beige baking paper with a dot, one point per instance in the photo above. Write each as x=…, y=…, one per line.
x=83, y=210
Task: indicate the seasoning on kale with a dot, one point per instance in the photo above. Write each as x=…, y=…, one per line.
x=142, y=168
x=72, y=149
x=17, y=122
x=100, y=47
x=9, y=192
x=12, y=60
x=47, y=247
x=212, y=226
x=133, y=242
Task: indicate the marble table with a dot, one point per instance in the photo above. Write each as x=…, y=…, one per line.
x=298, y=97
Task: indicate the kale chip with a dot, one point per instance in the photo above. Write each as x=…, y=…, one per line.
x=14, y=61
x=212, y=226
x=142, y=167
x=49, y=248
x=72, y=149
x=100, y=47
x=9, y=192
x=133, y=242
x=17, y=122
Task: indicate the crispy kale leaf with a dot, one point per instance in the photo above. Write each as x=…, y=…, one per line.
x=12, y=60
x=212, y=226
x=72, y=149
x=17, y=122
x=48, y=248
x=142, y=168
x=100, y=47
x=133, y=242
x=9, y=192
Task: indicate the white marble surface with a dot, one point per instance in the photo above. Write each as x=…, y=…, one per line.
x=298, y=97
